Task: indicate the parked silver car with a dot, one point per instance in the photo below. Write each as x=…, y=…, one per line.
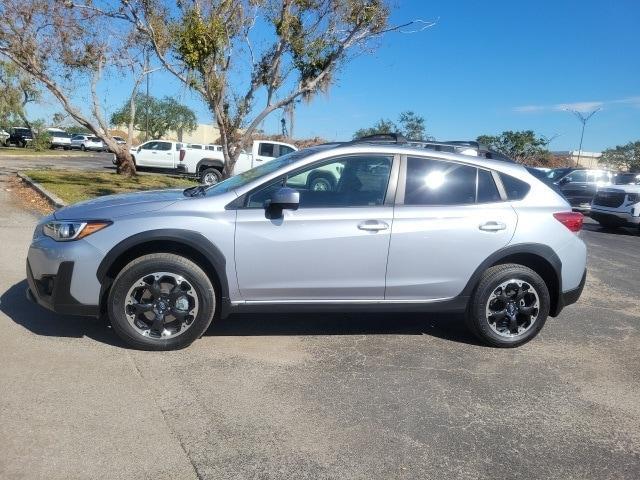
x=404, y=227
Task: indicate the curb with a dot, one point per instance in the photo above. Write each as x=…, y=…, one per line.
x=53, y=199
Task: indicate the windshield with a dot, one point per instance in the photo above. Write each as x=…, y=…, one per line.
x=557, y=173
x=249, y=176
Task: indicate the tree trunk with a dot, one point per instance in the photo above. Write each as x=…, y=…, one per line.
x=124, y=163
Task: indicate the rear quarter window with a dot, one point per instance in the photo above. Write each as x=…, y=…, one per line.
x=515, y=189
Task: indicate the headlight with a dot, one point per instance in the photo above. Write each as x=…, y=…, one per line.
x=62, y=231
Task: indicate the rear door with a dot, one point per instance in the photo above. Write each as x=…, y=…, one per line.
x=449, y=217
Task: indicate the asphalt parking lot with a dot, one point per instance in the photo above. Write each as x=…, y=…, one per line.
x=324, y=396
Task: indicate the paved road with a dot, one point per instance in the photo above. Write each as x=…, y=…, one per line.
x=324, y=396
x=82, y=161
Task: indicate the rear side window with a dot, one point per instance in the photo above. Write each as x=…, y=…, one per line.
x=515, y=189
x=487, y=190
x=433, y=182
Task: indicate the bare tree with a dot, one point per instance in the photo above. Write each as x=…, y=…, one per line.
x=70, y=51
x=243, y=72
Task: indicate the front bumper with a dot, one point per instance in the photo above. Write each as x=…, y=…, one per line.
x=617, y=217
x=53, y=292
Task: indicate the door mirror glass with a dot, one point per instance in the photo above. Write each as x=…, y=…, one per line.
x=284, y=198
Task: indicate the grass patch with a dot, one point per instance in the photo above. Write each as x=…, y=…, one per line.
x=73, y=186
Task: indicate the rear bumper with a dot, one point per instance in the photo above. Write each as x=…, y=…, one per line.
x=569, y=297
x=53, y=292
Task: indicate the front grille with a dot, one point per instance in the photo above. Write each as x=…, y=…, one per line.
x=609, y=199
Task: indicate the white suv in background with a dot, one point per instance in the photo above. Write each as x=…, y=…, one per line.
x=618, y=205
x=87, y=142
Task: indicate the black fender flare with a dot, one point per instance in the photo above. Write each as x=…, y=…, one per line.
x=209, y=162
x=544, y=252
x=188, y=238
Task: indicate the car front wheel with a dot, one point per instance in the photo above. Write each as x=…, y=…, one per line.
x=161, y=302
x=509, y=307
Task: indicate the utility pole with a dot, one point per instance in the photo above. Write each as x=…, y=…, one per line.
x=146, y=100
x=584, y=118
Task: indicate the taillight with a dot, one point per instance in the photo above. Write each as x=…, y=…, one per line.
x=571, y=220
x=182, y=154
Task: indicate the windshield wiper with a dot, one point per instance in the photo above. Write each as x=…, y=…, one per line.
x=195, y=191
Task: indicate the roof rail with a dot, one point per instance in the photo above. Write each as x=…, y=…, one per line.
x=381, y=137
x=452, y=146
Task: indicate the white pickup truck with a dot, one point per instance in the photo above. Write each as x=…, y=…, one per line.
x=205, y=163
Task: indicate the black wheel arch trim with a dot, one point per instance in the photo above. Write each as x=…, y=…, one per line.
x=537, y=249
x=209, y=162
x=188, y=238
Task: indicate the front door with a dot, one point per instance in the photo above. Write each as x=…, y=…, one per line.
x=145, y=153
x=449, y=218
x=575, y=188
x=334, y=247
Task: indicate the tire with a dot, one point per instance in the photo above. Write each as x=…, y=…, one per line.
x=210, y=176
x=137, y=278
x=321, y=183
x=496, y=329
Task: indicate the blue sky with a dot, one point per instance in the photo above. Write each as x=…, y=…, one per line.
x=485, y=67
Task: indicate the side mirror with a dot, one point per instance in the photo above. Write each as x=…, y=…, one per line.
x=284, y=198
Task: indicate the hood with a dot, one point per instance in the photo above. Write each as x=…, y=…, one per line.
x=621, y=188
x=113, y=206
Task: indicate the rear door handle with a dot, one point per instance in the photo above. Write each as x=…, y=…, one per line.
x=492, y=226
x=373, y=225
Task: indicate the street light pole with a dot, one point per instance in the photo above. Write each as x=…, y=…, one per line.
x=584, y=118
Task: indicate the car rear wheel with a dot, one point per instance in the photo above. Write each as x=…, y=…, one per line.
x=161, y=302
x=509, y=306
x=321, y=184
x=210, y=176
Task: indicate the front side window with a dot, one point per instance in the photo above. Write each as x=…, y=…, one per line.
x=149, y=146
x=434, y=182
x=576, y=177
x=357, y=181
x=266, y=149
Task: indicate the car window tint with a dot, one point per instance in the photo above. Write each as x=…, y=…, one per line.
x=434, y=182
x=266, y=149
x=284, y=150
x=487, y=190
x=357, y=181
x=577, y=176
x=257, y=199
x=515, y=189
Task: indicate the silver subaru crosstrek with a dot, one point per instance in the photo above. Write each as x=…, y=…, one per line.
x=393, y=226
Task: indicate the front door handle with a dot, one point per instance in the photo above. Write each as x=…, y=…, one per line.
x=373, y=225
x=492, y=226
